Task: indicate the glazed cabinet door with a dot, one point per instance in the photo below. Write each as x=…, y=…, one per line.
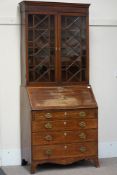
x=73, y=48
x=57, y=48
x=41, y=48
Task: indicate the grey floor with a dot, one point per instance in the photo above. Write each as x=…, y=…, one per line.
x=107, y=167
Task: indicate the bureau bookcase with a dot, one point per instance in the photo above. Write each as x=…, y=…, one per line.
x=59, y=114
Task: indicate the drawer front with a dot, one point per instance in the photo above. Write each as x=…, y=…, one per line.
x=48, y=138
x=84, y=113
x=63, y=125
x=64, y=150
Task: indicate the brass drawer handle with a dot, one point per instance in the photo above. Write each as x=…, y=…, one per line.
x=82, y=135
x=82, y=124
x=48, y=137
x=48, y=152
x=82, y=114
x=82, y=149
x=48, y=115
x=48, y=125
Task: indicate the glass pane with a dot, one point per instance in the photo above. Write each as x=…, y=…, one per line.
x=73, y=48
x=41, y=48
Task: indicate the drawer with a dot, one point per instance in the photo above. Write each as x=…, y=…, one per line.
x=63, y=125
x=69, y=114
x=64, y=150
x=47, y=138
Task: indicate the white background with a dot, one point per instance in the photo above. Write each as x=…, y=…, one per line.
x=103, y=76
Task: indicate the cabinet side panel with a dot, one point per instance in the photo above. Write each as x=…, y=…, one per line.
x=25, y=125
x=23, y=49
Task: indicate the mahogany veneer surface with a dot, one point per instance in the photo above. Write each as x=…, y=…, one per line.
x=42, y=98
x=67, y=150
x=38, y=138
